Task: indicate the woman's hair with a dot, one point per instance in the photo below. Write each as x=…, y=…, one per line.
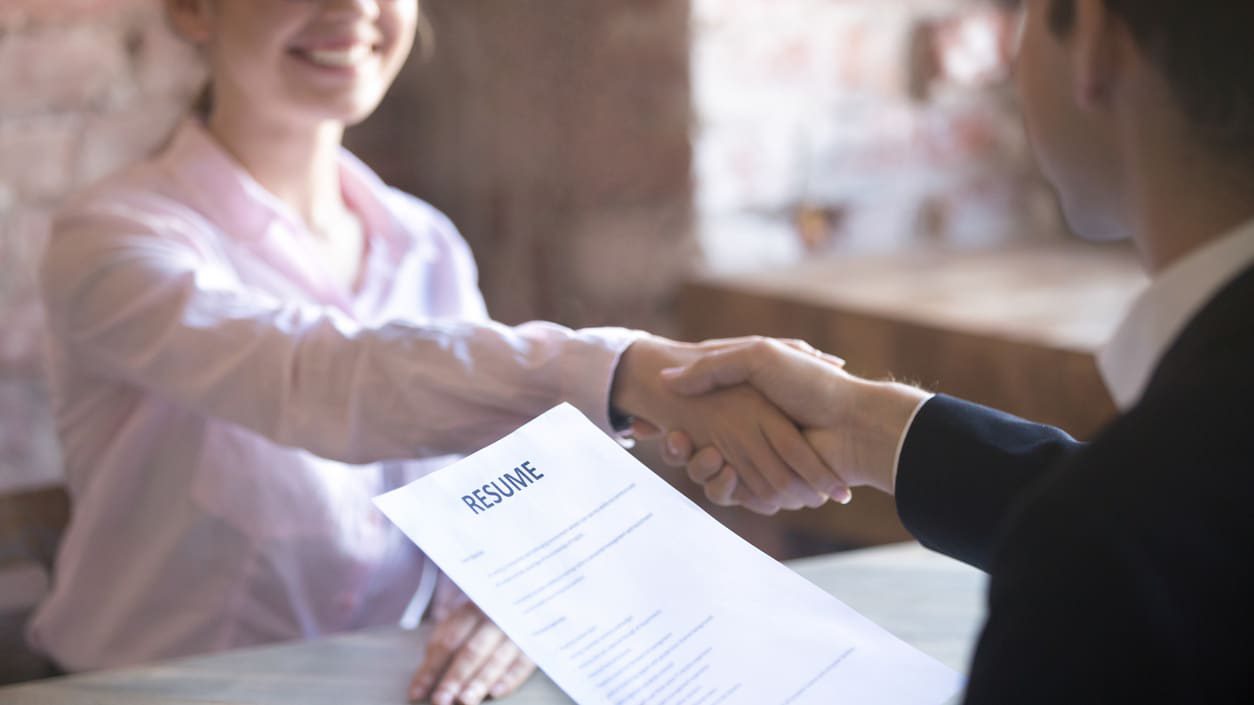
x=202, y=105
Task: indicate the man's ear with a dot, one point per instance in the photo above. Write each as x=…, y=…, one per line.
x=191, y=19
x=1098, y=42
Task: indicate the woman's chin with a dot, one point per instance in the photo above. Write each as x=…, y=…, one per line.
x=347, y=110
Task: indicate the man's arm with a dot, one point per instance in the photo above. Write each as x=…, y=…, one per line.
x=961, y=465
x=962, y=468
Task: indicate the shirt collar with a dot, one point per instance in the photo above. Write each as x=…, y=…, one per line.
x=1160, y=314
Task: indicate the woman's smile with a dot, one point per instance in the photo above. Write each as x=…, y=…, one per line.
x=338, y=54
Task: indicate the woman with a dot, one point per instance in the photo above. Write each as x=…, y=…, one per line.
x=251, y=336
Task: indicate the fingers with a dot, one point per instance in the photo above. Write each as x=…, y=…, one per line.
x=799, y=344
x=757, y=505
x=724, y=491
x=721, y=488
x=722, y=368
x=749, y=426
x=705, y=465
x=677, y=449
x=784, y=487
x=828, y=445
x=741, y=440
x=733, y=364
x=749, y=454
x=446, y=640
x=517, y=674
x=490, y=673
x=795, y=450
x=459, y=681
x=803, y=346
x=792, y=448
x=472, y=658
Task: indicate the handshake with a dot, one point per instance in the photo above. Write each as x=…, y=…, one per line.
x=765, y=424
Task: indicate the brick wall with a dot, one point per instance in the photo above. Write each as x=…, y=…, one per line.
x=85, y=86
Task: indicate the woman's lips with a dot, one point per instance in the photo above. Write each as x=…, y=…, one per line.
x=345, y=57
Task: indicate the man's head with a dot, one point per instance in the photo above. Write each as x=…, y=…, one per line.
x=1105, y=81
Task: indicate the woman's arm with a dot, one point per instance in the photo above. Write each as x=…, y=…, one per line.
x=154, y=312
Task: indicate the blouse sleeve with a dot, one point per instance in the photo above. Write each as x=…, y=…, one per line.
x=156, y=312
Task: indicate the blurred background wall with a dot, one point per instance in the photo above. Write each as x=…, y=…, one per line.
x=858, y=126
x=85, y=87
x=592, y=151
x=555, y=133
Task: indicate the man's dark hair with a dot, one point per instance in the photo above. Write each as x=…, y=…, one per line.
x=1205, y=49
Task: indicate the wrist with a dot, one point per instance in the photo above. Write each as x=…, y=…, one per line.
x=637, y=381
x=624, y=391
x=883, y=412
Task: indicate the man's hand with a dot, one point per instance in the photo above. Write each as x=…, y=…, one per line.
x=777, y=467
x=468, y=659
x=854, y=424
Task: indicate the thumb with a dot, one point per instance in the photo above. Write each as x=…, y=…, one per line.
x=725, y=368
x=803, y=346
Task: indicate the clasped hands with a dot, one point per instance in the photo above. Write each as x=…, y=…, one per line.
x=774, y=424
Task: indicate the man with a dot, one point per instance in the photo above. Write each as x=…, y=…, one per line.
x=1120, y=570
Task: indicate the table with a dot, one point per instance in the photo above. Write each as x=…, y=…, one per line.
x=928, y=600
x=1015, y=328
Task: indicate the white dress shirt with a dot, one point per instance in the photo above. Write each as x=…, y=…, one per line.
x=1163, y=310
x=227, y=410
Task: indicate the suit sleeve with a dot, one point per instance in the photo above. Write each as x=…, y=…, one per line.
x=962, y=467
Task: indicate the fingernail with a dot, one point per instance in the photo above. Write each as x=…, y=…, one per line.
x=845, y=496
x=672, y=446
x=499, y=690
x=443, y=697
x=474, y=694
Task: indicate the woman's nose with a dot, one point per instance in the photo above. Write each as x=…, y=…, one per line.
x=351, y=8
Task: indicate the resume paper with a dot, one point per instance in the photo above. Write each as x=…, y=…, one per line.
x=626, y=593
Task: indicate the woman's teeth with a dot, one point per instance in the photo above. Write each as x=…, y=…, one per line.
x=339, y=58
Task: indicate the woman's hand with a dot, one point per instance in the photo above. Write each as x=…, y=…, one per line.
x=469, y=659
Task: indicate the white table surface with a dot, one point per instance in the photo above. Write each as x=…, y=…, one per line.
x=928, y=600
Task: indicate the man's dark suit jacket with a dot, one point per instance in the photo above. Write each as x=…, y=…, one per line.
x=1121, y=570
